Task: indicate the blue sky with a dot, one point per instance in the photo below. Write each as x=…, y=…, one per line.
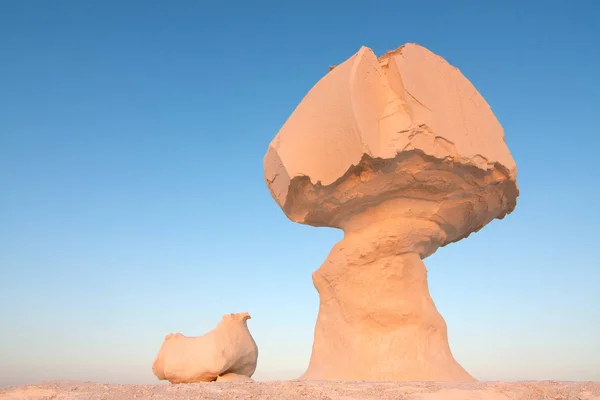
x=132, y=199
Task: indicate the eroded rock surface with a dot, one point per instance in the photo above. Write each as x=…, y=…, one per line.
x=231, y=377
x=228, y=350
x=404, y=155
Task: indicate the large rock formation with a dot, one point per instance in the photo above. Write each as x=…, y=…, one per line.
x=404, y=155
x=228, y=351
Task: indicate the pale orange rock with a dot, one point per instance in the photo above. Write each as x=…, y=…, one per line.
x=404, y=155
x=227, y=350
x=231, y=377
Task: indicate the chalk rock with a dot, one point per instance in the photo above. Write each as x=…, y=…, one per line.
x=227, y=349
x=404, y=155
x=230, y=377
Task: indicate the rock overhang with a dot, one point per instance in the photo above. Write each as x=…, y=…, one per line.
x=368, y=119
x=459, y=198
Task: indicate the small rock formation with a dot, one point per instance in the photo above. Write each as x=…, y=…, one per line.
x=230, y=377
x=404, y=155
x=228, y=351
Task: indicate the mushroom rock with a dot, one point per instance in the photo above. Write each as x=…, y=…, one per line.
x=227, y=350
x=404, y=155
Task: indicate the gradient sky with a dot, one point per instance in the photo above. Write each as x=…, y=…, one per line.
x=132, y=199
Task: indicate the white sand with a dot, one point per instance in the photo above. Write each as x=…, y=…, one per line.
x=281, y=390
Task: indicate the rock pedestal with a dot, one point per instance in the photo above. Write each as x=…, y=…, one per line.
x=376, y=319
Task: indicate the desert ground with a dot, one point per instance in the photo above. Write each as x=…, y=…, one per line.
x=320, y=390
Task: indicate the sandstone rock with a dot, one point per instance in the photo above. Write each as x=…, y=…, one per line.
x=404, y=155
x=227, y=349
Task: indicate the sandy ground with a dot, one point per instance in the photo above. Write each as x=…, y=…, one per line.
x=310, y=390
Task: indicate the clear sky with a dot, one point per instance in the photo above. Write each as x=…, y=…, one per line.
x=133, y=204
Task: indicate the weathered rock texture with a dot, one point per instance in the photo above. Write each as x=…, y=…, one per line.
x=228, y=351
x=230, y=377
x=404, y=155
